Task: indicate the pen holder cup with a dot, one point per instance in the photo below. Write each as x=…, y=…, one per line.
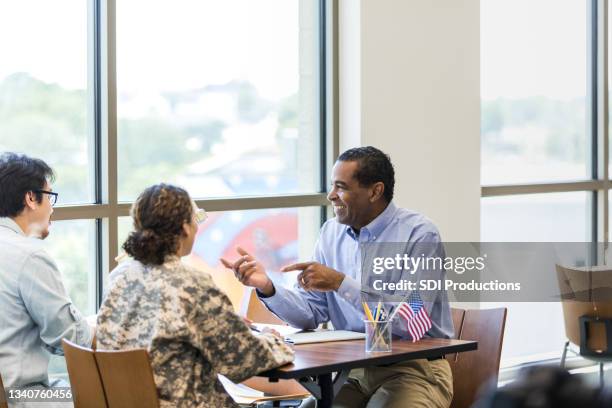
x=378, y=336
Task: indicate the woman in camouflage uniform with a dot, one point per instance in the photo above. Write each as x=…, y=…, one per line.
x=176, y=312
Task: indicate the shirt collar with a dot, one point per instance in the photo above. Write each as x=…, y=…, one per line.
x=7, y=222
x=377, y=225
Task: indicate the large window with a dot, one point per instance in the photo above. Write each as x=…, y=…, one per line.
x=44, y=91
x=544, y=140
x=225, y=98
x=534, y=90
x=218, y=96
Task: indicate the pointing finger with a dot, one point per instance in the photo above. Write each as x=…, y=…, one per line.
x=297, y=266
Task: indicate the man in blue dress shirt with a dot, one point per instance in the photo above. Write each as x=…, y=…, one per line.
x=36, y=310
x=329, y=288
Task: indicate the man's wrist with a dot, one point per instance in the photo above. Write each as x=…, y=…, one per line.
x=339, y=280
x=268, y=290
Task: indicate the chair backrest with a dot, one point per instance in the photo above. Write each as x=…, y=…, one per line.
x=472, y=369
x=87, y=391
x=127, y=378
x=584, y=293
x=458, y=315
x=3, y=403
x=225, y=280
x=257, y=312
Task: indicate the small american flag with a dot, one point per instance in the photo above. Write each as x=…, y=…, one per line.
x=416, y=316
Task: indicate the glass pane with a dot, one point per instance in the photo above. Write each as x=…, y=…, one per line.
x=558, y=217
x=71, y=244
x=43, y=89
x=533, y=91
x=221, y=100
x=276, y=237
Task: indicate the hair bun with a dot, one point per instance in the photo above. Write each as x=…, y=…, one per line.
x=163, y=209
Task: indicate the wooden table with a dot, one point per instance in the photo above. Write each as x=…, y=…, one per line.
x=315, y=364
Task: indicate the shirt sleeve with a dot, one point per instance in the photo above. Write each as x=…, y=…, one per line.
x=47, y=302
x=298, y=307
x=228, y=344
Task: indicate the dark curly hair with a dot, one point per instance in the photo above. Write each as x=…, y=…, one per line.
x=18, y=175
x=159, y=214
x=374, y=166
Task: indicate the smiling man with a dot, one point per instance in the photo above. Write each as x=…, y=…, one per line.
x=329, y=287
x=36, y=310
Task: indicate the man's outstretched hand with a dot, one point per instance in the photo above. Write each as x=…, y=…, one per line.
x=250, y=272
x=315, y=276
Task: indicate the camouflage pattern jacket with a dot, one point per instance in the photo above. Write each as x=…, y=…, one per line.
x=189, y=328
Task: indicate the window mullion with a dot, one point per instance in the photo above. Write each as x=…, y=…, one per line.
x=602, y=125
x=108, y=133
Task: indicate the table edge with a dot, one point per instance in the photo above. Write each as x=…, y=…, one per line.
x=381, y=359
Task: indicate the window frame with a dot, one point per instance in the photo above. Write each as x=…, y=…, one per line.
x=597, y=136
x=597, y=133
x=102, y=105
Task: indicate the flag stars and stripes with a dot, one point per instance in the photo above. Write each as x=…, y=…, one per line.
x=415, y=314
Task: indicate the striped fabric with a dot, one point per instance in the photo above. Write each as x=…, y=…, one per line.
x=415, y=314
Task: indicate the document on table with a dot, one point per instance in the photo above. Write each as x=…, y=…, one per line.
x=244, y=395
x=297, y=336
x=240, y=393
x=322, y=336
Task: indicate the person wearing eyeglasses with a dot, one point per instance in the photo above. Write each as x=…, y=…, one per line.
x=176, y=312
x=36, y=311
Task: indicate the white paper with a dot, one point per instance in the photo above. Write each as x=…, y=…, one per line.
x=283, y=330
x=322, y=336
x=239, y=390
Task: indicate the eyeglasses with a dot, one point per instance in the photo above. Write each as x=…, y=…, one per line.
x=51, y=194
x=198, y=214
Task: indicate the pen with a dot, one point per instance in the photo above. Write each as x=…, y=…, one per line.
x=378, y=311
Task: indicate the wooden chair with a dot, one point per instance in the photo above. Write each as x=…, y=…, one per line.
x=457, y=315
x=127, y=378
x=3, y=403
x=258, y=312
x=472, y=369
x=87, y=390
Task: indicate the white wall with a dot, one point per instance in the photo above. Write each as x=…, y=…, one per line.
x=409, y=75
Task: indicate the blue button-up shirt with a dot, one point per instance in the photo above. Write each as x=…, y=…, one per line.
x=36, y=312
x=338, y=247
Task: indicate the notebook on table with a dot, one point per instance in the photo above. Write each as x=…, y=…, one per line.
x=297, y=336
